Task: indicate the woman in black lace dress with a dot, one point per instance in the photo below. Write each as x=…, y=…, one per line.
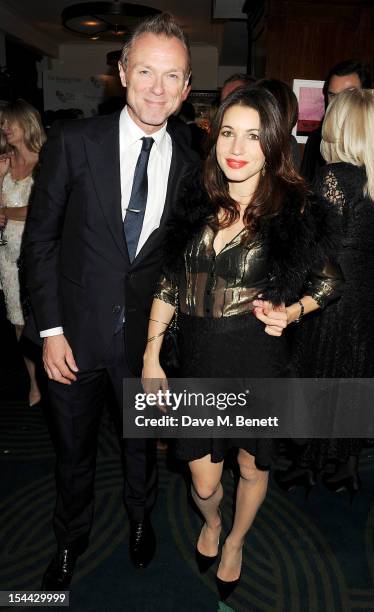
x=339, y=342
x=249, y=231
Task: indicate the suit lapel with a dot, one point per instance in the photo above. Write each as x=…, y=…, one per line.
x=102, y=150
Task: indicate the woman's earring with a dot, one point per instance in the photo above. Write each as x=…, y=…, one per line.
x=263, y=169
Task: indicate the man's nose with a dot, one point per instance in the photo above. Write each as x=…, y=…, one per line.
x=158, y=85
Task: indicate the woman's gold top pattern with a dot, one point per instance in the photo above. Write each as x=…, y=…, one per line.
x=227, y=283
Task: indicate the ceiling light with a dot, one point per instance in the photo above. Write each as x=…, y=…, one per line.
x=104, y=20
x=91, y=23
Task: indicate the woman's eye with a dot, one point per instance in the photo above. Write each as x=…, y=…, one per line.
x=226, y=133
x=253, y=136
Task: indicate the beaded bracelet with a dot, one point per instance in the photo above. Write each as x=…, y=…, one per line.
x=301, y=312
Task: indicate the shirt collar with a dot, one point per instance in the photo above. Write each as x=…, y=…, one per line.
x=133, y=133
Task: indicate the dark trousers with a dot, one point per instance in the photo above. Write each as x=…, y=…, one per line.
x=76, y=415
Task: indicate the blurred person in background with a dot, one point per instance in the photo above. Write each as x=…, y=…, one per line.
x=339, y=342
x=22, y=129
x=348, y=74
x=187, y=114
x=239, y=79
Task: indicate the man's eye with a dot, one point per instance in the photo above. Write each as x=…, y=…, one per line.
x=173, y=76
x=144, y=71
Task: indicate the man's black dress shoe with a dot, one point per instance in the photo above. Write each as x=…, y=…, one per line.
x=142, y=543
x=59, y=572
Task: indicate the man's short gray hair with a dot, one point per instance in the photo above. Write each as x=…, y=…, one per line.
x=162, y=24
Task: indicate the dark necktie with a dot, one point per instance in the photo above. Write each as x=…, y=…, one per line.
x=134, y=217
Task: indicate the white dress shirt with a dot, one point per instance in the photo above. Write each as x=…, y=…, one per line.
x=130, y=144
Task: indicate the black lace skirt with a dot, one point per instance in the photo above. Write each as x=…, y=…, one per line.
x=230, y=347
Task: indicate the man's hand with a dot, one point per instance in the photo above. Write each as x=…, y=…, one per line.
x=274, y=317
x=58, y=360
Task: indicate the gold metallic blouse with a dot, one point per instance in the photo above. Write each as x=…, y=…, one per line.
x=226, y=283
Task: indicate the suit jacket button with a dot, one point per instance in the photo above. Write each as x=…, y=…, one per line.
x=116, y=308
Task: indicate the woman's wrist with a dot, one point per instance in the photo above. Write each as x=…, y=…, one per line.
x=294, y=312
x=151, y=357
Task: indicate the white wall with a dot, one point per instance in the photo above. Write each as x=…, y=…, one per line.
x=67, y=80
x=204, y=67
x=83, y=59
x=70, y=81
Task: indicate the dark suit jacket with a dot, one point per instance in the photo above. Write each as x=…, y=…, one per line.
x=312, y=158
x=77, y=266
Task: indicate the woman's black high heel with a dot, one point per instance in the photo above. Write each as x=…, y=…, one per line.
x=225, y=589
x=204, y=562
x=295, y=477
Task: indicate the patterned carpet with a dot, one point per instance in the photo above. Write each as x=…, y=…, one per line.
x=314, y=555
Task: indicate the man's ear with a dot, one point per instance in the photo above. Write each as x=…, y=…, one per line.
x=122, y=74
x=186, y=91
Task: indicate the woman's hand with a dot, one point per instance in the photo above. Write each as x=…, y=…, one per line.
x=3, y=217
x=154, y=379
x=4, y=164
x=274, y=317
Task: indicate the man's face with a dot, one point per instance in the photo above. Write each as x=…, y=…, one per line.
x=340, y=83
x=156, y=79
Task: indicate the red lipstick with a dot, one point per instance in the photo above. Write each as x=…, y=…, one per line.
x=236, y=163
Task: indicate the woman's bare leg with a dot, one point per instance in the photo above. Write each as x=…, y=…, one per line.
x=250, y=494
x=34, y=393
x=207, y=494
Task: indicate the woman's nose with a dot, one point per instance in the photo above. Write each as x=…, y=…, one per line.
x=237, y=146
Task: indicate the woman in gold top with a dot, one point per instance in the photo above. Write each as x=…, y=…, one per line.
x=248, y=232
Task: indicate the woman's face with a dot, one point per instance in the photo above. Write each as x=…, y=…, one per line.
x=238, y=150
x=12, y=132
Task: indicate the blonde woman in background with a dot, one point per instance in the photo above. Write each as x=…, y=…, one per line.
x=22, y=128
x=339, y=342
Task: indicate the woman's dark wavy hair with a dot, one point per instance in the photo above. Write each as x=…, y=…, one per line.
x=280, y=182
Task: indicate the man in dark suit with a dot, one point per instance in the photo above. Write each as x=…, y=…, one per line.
x=105, y=190
x=349, y=74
